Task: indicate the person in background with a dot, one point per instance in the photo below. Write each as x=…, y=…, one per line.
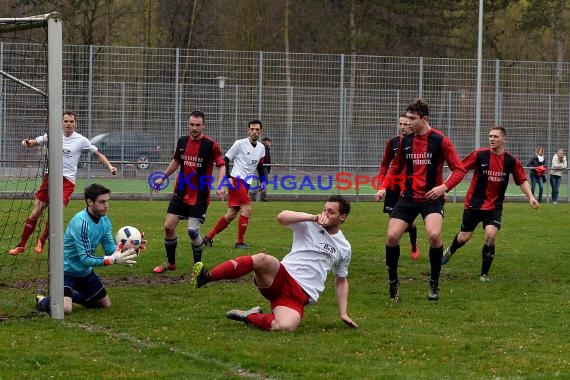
x=559, y=165
x=393, y=194
x=537, y=171
x=73, y=144
x=418, y=164
x=484, y=199
x=267, y=164
x=195, y=156
x=247, y=155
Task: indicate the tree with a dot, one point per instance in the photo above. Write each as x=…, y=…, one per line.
x=547, y=21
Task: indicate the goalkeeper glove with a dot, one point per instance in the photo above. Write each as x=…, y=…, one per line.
x=124, y=258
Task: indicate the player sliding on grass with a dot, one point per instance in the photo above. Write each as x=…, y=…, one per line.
x=319, y=246
x=484, y=200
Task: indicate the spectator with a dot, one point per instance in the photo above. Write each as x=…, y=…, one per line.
x=559, y=165
x=537, y=171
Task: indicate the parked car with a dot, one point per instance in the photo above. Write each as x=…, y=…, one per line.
x=138, y=148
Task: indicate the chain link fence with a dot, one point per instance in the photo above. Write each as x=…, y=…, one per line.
x=325, y=113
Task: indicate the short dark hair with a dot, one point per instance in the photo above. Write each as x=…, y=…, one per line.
x=198, y=114
x=419, y=107
x=94, y=190
x=501, y=129
x=70, y=113
x=266, y=139
x=403, y=114
x=254, y=121
x=343, y=203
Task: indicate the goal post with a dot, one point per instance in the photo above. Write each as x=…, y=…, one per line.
x=55, y=162
x=52, y=24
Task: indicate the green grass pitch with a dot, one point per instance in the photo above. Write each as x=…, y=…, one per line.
x=515, y=327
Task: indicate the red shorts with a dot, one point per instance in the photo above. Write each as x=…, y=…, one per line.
x=68, y=187
x=238, y=193
x=285, y=291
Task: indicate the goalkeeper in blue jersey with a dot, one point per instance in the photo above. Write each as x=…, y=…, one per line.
x=86, y=230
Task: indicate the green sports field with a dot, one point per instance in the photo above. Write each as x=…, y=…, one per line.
x=515, y=327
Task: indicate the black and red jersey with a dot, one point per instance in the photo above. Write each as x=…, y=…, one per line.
x=418, y=164
x=197, y=159
x=491, y=178
x=389, y=154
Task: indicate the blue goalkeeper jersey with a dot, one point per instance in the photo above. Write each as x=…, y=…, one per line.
x=82, y=236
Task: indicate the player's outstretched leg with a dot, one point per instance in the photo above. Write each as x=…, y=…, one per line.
x=241, y=315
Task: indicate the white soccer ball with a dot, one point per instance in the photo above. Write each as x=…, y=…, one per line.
x=129, y=236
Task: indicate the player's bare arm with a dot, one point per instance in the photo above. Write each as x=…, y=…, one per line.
x=287, y=217
x=102, y=159
x=436, y=192
x=525, y=187
x=30, y=143
x=171, y=168
x=220, y=192
x=341, y=292
x=380, y=194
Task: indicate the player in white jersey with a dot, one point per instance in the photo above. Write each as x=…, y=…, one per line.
x=248, y=155
x=319, y=247
x=73, y=145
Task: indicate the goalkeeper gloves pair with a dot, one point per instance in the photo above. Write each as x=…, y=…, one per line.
x=127, y=257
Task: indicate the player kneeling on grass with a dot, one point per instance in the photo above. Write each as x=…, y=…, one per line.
x=319, y=246
x=86, y=230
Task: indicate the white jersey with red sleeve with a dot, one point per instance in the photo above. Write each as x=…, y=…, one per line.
x=314, y=254
x=246, y=157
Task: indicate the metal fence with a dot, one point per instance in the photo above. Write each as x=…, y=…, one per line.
x=330, y=110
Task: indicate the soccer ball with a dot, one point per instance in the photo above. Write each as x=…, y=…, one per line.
x=129, y=236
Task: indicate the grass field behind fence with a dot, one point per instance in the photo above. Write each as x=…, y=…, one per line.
x=515, y=327
x=140, y=187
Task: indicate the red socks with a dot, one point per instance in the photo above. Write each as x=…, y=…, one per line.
x=45, y=234
x=222, y=223
x=29, y=228
x=232, y=268
x=219, y=227
x=261, y=321
x=242, y=227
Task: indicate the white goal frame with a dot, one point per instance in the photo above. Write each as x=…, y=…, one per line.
x=52, y=22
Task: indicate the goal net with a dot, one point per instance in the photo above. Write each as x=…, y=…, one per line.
x=30, y=106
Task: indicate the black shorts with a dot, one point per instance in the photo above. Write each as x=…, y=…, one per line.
x=471, y=218
x=90, y=286
x=184, y=211
x=390, y=200
x=408, y=210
